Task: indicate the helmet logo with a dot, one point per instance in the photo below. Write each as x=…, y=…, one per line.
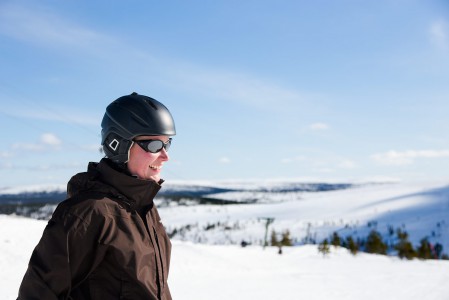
x=114, y=144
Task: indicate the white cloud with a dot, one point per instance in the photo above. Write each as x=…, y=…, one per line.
x=407, y=157
x=439, y=34
x=50, y=139
x=319, y=126
x=224, y=160
x=46, y=141
x=289, y=160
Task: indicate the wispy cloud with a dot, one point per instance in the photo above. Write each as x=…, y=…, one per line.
x=408, y=157
x=40, y=112
x=318, y=126
x=32, y=147
x=6, y=154
x=320, y=165
x=50, y=139
x=295, y=159
x=347, y=164
x=224, y=160
x=6, y=166
x=47, y=141
x=234, y=86
x=92, y=148
x=323, y=170
x=50, y=30
x=439, y=34
x=45, y=28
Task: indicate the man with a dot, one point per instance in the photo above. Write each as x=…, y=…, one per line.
x=106, y=241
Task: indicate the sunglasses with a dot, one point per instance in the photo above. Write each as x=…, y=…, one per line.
x=153, y=146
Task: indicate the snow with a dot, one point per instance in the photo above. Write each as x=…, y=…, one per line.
x=420, y=209
x=218, y=268
x=231, y=272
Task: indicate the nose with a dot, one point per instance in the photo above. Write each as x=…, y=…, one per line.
x=164, y=155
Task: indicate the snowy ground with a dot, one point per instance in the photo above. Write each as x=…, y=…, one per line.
x=218, y=268
x=218, y=272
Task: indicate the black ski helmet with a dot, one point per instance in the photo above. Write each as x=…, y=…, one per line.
x=131, y=116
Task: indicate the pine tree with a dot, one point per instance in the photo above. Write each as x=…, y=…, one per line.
x=404, y=247
x=324, y=247
x=438, y=250
x=352, y=245
x=286, y=240
x=336, y=240
x=374, y=243
x=424, y=250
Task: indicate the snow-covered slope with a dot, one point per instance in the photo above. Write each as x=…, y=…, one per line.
x=420, y=209
x=204, y=272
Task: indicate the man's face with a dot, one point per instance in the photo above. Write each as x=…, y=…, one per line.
x=147, y=165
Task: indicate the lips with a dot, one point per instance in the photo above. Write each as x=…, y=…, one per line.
x=155, y=167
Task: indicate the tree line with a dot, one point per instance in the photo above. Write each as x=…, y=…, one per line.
x=375, y=243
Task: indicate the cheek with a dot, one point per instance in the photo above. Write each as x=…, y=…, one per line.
x=134, y=163
x=140, y=162
x=150, y=159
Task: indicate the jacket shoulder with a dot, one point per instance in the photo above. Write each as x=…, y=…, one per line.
x=88, y=205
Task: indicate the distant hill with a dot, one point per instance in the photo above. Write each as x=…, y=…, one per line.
x=30, y=200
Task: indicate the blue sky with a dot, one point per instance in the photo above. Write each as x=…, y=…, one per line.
x=306, y=90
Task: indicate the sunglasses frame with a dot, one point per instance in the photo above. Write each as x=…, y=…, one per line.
x=145, y=143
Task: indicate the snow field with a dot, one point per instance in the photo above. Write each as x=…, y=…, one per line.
x=200, y=271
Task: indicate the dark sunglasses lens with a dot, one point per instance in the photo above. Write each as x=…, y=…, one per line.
x=167, y=146
x=155, y=146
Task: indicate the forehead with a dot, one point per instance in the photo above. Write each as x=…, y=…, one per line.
x=163, y=138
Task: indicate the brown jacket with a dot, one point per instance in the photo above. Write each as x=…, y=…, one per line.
x=105, y=242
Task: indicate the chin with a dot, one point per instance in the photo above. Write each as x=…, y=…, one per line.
x=154, y=178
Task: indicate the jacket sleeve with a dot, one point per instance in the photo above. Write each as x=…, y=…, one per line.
x=67, y=252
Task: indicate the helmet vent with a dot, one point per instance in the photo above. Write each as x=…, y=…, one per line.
x=151, y=104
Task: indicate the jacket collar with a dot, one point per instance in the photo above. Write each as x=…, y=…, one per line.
x=139, y=192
